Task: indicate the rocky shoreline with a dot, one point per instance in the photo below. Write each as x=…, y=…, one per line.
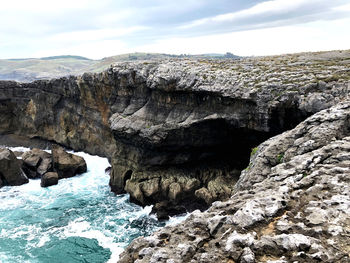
x=294, y=208
x=179, y=129
x=16, y=168
x=183, y=134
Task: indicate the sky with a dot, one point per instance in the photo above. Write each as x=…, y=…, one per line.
x=101, y=28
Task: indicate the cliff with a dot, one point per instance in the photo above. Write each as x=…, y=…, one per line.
x=292, y=204
x=178, y=132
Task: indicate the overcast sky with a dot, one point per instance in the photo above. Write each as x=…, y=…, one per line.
x=100, y=28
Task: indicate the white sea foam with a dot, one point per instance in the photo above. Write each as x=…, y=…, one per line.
x=81, y=206
x=177, y=219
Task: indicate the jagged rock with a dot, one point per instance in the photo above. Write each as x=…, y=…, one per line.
x=48, y=179
x=290, y=208
x=165, y=209
x=67, y=164
x=10, y=169
x=36, y=162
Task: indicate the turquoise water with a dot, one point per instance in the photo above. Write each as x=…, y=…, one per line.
x=78, y=220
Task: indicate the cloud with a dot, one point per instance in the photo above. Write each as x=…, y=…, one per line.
x=96, y=34
x=38, y=27
x=269, y=14
x=313, y=36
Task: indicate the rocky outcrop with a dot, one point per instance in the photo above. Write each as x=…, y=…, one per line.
x=291, y=204
x=67, y=164
x=49, y=179
x=176, y=130
x=36, y=162
x=187, y=131
x=71, y=111
x=10, y=169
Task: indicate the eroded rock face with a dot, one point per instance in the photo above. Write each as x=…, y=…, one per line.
x=291, y=204
x=10, y=169
x=71, y=111
x=176, y=130
x=186, y=131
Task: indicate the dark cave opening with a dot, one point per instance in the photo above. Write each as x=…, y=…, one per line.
x=127, y=176
x=207, y=144
x=283, y=118
x=218, y=143
x=2, y=180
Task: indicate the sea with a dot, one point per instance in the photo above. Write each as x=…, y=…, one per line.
x=78, y=220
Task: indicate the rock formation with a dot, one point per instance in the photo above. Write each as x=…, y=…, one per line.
x=36, y=163
x=10, y=169
x=67, y=164
x=176, y=130
x=48, y=179
x=291, y=204
x=179, y=133
x=189, y=127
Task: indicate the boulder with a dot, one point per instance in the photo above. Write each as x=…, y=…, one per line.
x=36, y=162
x=165, y=209
x=67, y=164
x=48, y=179
x=30, y=172
x=10, y=169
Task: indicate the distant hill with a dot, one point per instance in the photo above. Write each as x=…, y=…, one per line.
x=29, y=69
x=66, y=57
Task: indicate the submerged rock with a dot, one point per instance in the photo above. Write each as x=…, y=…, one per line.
x=10, y=169
x=48, y=179
x=67, y=164
x=292, y=204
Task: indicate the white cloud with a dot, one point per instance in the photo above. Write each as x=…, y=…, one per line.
x=273, y=8
x=39, y=6
x=95, y=35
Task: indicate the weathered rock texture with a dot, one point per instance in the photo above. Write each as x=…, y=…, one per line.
x=67, y=164
x=188, y=126
x=10, y=169
x=179, y=129
x=36, y=162
x=48, y=179
x=292, y=204
x=71, y=111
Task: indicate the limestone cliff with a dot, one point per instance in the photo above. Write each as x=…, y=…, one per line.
x=71, y=111
x=187, y=127
x=176, y=130
x=292, y=204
